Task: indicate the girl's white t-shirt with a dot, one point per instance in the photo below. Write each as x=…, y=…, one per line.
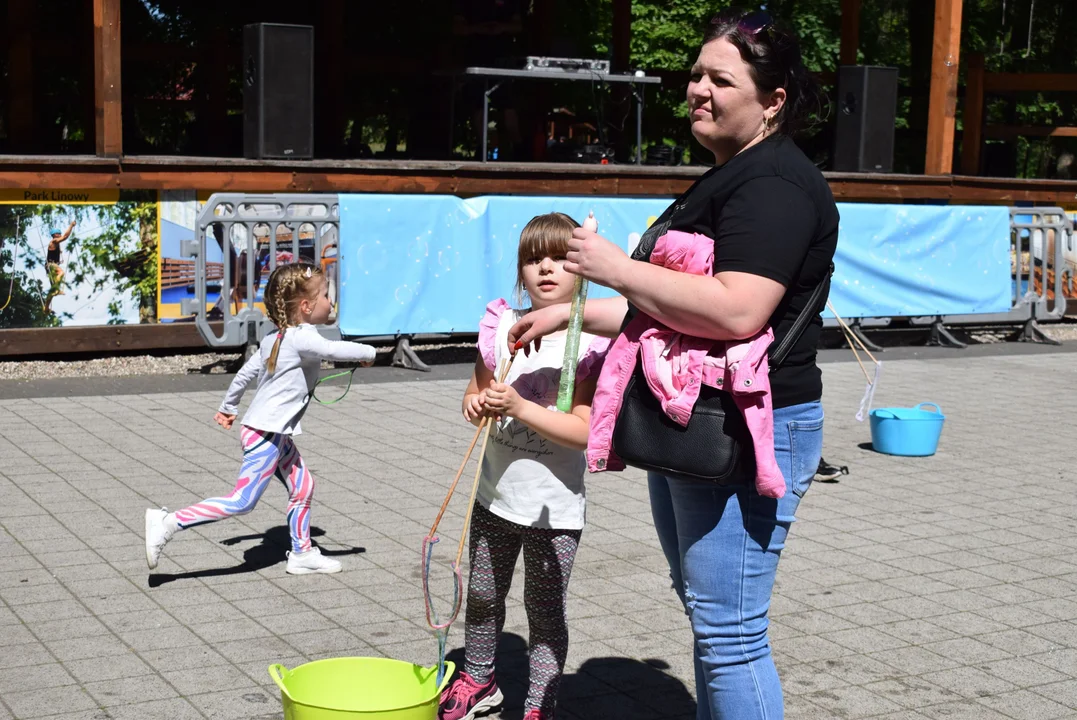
x=527, y=479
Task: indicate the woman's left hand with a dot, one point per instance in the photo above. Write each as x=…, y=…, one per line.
x=595, y=258
x=502, y=399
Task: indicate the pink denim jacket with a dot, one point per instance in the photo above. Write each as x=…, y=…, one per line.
x=676, y=365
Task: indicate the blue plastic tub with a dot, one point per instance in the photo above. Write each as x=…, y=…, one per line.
x=912, y=432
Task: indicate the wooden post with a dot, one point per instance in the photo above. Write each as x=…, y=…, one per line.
x=331, y=90
x=972, y=117
x=543, y=29
x=621, y=139
x=622, y=35
x=850, y=31
x=108, y=124
x=942, y=107
x=216, y=82
x=20, y=76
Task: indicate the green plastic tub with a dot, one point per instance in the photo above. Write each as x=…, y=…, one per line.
x=359, y=688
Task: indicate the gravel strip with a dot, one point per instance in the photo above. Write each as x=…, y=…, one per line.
x=115, y=366
x=186, y=364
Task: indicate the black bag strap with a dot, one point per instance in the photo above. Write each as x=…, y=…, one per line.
x=813, y=307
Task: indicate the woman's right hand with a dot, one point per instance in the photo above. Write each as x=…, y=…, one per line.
x=224, y=420
x=534, y=325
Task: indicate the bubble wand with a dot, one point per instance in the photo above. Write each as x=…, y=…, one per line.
x=575, y=327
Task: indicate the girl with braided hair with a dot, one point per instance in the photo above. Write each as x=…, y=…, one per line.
x=286, y=367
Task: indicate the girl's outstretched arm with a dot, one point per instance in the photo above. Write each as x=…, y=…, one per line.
x=309, y=343
x=567, y=429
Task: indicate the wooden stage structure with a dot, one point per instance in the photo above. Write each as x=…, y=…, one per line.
x=473, y=178
x=109, y=168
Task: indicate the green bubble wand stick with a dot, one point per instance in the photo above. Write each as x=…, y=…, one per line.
x=575, y=327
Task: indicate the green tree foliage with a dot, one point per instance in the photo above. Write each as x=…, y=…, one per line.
x=21, y=295
x=1020, y=36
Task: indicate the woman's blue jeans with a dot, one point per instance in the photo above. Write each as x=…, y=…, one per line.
x=722, y=545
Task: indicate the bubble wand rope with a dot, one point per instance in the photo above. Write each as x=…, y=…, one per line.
x=441, y=629
x=575, y=328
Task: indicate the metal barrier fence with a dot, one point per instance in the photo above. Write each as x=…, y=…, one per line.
x=256, y=232
x=1038, y=238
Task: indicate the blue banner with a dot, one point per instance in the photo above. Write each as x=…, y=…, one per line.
x=917, y=260
x=430, y=263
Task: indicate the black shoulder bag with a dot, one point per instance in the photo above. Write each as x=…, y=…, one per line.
x=716, y=445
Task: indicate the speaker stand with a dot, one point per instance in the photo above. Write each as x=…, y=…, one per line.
x=404, y=356
x=854, y=328
x=942, y=337
x=1032, y=332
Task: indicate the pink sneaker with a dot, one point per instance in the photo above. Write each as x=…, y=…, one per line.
x=536, y=714
x=466, y=699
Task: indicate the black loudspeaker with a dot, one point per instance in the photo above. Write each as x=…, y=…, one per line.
x=278, y=91
x=867, y=108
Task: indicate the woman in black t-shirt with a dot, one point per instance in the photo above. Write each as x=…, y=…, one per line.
x=774, y=225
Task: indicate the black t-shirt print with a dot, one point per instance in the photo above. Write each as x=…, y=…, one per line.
x=771, y=213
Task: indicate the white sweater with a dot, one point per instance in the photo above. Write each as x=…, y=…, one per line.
x=282, y=396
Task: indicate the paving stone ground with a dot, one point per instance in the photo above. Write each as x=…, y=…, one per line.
x=937, y=587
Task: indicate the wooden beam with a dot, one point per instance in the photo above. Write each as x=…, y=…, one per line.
x=850, y=31
x=472, y=178
x=88, y=78
x=942, y=108
x=1009, y=132
x=98, y=339
x=972, y=117
x=1031, y=82
x=20, y=75
x=108, y=124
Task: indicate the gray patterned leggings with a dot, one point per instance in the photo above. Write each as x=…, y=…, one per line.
x=548, y=557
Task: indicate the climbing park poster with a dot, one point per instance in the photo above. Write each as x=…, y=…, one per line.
x=77, y=257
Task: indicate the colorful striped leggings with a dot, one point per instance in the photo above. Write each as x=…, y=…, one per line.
x=548, y=557
x=265, y=454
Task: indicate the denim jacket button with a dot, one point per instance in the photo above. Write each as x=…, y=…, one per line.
x=601, y=464
x=747, y=383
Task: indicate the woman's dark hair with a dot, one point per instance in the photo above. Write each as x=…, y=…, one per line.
x=773, y=54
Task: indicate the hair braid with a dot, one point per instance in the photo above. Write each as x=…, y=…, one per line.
x=288, y=284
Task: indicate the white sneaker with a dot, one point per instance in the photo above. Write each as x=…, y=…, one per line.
x=158, y=533
x=312, y=561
